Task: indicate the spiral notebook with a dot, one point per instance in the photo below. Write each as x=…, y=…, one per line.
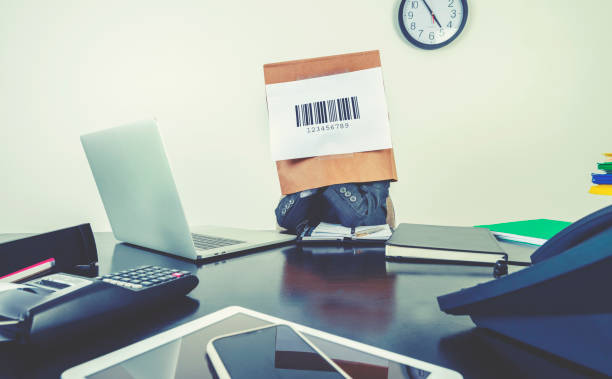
x=326, y=232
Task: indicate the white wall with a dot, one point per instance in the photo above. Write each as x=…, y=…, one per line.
x=505, y=123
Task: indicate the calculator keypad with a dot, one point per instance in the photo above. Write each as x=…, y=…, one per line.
x=143, y=277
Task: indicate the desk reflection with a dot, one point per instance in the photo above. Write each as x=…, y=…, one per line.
x=127, y=256
x=341, y=284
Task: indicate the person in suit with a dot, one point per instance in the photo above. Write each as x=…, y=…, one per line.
x=349, y=204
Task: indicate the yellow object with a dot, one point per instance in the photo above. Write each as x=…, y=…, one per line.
x=601, y=189
x=608, y=157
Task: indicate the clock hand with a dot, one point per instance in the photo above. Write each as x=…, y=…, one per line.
x=432, y=14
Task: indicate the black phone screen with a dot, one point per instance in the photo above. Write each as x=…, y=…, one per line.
x=274, y=352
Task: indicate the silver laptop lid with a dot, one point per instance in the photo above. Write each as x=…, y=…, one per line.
x=135, y=182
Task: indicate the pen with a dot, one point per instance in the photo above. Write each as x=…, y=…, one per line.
x=26, y=272
x=8, y=322
x=366, y=232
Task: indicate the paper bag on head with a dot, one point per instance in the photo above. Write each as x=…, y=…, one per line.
x=305, y=173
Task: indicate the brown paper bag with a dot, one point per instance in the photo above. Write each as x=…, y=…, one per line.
x=300, y=174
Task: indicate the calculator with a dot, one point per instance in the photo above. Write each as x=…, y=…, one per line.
x=145, y=277
x=51, y=307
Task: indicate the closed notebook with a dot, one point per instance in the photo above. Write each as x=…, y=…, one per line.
x=444, y=243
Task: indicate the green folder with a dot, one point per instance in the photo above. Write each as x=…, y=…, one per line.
x=605, y=166
x=535, y=232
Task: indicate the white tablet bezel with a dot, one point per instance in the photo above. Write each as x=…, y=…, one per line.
x=98, y=364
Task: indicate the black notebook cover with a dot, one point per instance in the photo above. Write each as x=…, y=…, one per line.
x=459, y=238
x=444, y=243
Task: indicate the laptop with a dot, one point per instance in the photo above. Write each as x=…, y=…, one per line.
x=135, y=182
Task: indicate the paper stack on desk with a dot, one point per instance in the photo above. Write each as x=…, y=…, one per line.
x=603, y=182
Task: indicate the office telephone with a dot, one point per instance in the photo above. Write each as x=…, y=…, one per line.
x=559, y=303
x=589, y=226
x=53, y=306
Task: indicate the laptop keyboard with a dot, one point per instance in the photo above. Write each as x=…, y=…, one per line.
x=203, y=242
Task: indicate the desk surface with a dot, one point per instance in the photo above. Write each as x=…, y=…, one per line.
x=362, y=297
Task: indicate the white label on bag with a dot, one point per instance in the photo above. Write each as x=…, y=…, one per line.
x=335, y=114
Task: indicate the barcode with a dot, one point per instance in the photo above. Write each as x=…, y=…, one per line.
x=321, y=112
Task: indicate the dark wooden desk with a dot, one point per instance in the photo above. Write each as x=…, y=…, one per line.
x=355, y=296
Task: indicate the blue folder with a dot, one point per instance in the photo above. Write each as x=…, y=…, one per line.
x=601, y=178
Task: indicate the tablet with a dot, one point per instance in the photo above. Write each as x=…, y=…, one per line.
x=181, y=352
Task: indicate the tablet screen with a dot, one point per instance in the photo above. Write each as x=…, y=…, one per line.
x=185, y=357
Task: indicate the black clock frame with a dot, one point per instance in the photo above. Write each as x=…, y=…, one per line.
x=429, y=46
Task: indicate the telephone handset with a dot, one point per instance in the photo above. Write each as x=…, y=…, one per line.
x=580, y=231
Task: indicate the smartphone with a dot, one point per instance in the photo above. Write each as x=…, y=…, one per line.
x=272, y=351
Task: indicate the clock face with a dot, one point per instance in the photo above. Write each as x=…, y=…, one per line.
x=430, y=24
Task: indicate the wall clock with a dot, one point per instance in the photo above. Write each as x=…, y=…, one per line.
x=431, y=24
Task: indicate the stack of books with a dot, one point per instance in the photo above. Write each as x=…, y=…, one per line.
x=603, y=182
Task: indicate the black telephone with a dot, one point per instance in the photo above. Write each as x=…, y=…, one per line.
x=560, y=303
x=49, y=308
x=580, y=231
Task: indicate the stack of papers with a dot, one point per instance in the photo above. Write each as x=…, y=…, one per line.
x=335, y=232
x=534, y=232
x=603, y=182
